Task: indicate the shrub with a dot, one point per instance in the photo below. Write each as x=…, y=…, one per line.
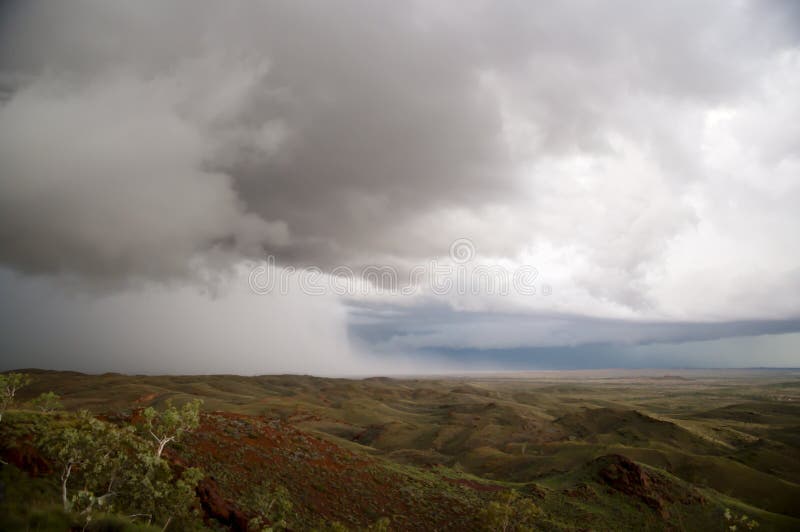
x=509, y=511
x=47, y=402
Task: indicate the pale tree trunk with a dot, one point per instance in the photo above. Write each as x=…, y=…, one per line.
x=169, y=519
x=64, y=478
x=163, y=443
x=7, y=400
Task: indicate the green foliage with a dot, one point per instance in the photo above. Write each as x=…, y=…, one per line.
x=40, y=518
x=47, y=402
x=509, y=511
x=160, y=495
x=117, y=471
x=117, y=523
x=332, y=526
x=735, y=522
x=27, y=502
x=10, y=383
x=91, y=453
x=171, y=423
x=274, y=506
x=381, y=525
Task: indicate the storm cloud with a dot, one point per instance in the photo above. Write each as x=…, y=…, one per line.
x=645, y=159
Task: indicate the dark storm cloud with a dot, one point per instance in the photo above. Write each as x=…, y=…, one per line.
x=441, y=329
x=737, y=352
x=337, y=121
x=320, y=132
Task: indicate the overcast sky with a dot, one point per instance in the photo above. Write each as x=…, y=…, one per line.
x=643, y=157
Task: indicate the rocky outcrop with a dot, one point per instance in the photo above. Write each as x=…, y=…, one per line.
x=215, y=506
x=628, y=477
x=655, y=490
x=27, y=458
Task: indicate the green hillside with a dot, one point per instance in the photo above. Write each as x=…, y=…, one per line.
x=589, y=451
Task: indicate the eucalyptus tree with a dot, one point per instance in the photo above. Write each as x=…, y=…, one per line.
x=170, y=424
x=10, y=383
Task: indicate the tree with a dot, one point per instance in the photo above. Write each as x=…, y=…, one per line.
x=47, y=402
x=509, y=511
x=274, y=506
x=115, y=470
x=91, y=448
x=156, y=492
x=171, y=423
x=10, y=383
